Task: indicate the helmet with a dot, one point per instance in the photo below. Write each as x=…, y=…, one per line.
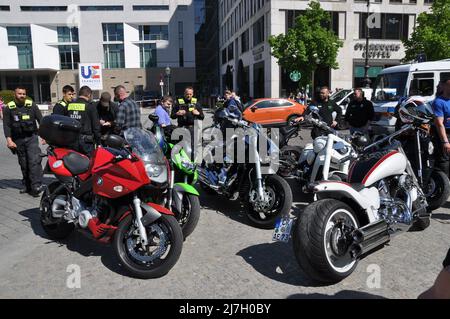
x=415, y=109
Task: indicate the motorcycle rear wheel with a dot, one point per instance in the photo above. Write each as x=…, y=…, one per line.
x=439, y=189
x=55, y=228
x=319, y=243
x=164, y=234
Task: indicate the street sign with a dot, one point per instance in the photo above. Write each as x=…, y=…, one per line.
x=295, y=76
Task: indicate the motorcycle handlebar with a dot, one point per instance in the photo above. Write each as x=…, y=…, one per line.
x=389, y=137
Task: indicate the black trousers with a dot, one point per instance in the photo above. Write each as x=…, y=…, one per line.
x=441, y=158
x=28, y=153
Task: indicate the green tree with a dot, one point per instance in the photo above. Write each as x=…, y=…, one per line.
x=308, y=44
x=432, y=34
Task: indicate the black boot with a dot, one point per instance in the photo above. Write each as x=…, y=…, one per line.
x=36, y=192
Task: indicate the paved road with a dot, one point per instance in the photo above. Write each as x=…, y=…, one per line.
x=223, y=258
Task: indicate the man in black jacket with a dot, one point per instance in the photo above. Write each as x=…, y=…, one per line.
x=326, y=110
x=19, y=125
x=359, y=113
x=86, y=113
x=107, y=113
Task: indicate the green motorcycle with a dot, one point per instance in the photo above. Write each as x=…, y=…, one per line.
x=180, y=194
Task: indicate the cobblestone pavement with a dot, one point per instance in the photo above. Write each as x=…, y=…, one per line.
x=223, y=258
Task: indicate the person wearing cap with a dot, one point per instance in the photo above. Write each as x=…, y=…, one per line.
x=107, y=113
x=441, y=108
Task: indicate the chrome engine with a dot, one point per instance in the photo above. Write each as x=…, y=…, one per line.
x=396, y=202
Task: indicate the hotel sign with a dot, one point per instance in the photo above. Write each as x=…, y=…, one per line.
x=378, y=50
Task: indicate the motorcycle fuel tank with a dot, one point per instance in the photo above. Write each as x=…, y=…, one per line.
x=369, y=170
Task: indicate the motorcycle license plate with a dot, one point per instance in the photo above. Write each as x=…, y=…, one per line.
x=282, y=231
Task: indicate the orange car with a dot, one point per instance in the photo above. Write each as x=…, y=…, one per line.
x=272, y=111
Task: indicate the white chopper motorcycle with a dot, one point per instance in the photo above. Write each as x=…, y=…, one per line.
x=326, y=158
x=350, y=219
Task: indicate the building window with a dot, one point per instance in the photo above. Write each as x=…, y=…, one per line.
x=258, y=32
x=112, y=32
x=43, y=8
x=245, y=41
x=181, y=43
x=5, y=8
x=20, y=37
x=224, y=56
x=69, y=54
x=150, y=8
x=114, y=53
x=66, y=34
x=392, y=27
x=395, y=1
x=230, y=52
x=428, y=1
x=148, y=55
x=291, y=15
x=153, y=32
x=101, y=8
x=114, y=56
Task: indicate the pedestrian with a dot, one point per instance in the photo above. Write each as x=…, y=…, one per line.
x=2, y=105
x=107, y=114
x=83, y=110
x=237, y=100
x=20, y=128
x=129, y=114
x=232, y=105
x=441, y=108
x=163, y=111
x=359, y=113
x=68, y=95
x=329, y=112
x=187, y=111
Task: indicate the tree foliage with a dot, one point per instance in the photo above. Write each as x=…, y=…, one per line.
x=432, y=34
x=308, y=44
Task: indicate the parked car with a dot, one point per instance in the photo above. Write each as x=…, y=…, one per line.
x=272, y=112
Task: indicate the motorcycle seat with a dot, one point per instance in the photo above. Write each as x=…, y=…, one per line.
x=76, y=163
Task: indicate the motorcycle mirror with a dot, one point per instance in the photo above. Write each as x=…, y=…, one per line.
x=153, y=118
x=115, y=141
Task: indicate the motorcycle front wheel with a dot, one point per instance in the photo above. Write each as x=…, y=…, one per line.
x=161, y=254
x=190, y=214
x=279, y=203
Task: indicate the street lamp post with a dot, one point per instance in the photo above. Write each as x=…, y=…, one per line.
x=168, y=71
x=366, y=80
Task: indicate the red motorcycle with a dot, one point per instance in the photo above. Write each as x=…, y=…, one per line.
x=102, y=195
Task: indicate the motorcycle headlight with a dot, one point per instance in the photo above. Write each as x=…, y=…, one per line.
x=154, y=170
x=187, y=165
x=319, y=144
x=430, y=148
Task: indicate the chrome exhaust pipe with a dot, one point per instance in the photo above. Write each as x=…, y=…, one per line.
x=369, y=237
x=369, y=231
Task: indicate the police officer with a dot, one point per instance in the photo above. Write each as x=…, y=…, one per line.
x=68, y=94
x=84, y=111
x=187, y=110
x=20, y=117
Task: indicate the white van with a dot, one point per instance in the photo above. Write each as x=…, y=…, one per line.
x=402, y=81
